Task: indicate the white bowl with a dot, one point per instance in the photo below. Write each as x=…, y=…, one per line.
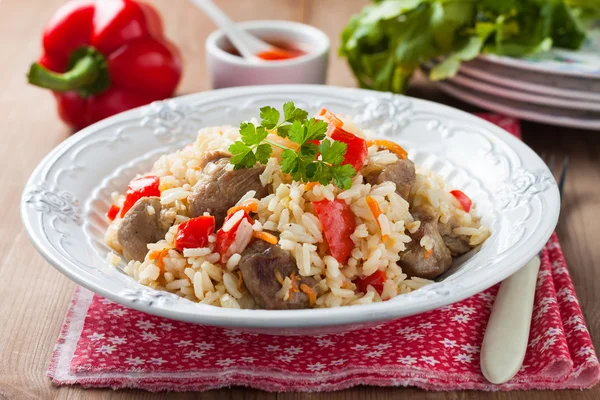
x=65, y=201
x=227, y=70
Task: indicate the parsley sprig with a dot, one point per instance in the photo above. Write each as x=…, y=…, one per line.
x=304, y=163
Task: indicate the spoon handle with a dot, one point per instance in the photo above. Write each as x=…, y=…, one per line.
x=507, y=332
x=246, y=44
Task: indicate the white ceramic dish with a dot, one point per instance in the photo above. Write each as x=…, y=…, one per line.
x=227, y=70
x=524, y=110
x=65, y=200
x=583, y=63
x=580, y=89
x=523, y=96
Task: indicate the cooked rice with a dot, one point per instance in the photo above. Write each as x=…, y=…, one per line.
x=196, y=274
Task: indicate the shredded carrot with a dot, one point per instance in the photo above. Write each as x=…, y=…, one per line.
x=428, y=253
x=267, y=237
x=333, y=120
x=240, y=280
x=312, y=296
x=295, y=279
x=158, y=256
x=251, y=207
x=310, y=185
x=389, y=145
x=374, y=207
x=376, y=211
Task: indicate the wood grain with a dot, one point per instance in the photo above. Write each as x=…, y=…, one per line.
x=34, y=297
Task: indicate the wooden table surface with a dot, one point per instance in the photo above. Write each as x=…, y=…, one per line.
x=34, y=296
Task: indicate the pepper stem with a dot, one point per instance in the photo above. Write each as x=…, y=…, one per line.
x=87, y=74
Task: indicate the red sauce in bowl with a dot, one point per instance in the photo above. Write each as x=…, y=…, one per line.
x=280, y=51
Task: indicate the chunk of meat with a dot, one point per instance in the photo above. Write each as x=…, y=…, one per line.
x=140, y=227
x=220, y=187
x=401, y=172
x=212, y=156
x=458, y=244
x=260, y=264
x=416, y=261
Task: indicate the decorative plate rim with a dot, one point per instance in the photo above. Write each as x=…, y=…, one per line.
x=498, y=105
x=549, y=67
x=436, y=295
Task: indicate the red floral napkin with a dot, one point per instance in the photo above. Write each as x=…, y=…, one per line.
x=103, y=344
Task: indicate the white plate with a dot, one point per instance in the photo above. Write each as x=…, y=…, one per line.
x=65, y=200
x=584, y=63
x=523, y=96
x=532, y=112
x=538, y=83
x=575, y=88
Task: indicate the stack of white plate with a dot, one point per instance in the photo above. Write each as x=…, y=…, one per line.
x=558, y=88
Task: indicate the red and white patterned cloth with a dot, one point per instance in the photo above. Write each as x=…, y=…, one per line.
x=103, y=344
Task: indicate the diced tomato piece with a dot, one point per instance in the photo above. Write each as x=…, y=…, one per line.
x=338, y=224
x=376, y=279
x=224, y=239
x=356, y=148
x=194, y=232
x=113, y=211
x=463, y=199
x=146, y=186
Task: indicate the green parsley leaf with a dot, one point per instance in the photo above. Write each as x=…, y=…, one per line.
x=316, y=129
x=263, y=152
x=242, y=156
x=252, y=135
x=291, y=113
x=283, y=130
x=318, y=172
x=269, y=117
x=342, y=175
x=332, y=152
x=289, y=161
x=302, y=162
x=297, y=133
x=309, y=150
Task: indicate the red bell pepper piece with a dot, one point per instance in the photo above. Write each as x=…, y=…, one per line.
x=356, y=148
x=104, y=57
x=194, y=232
x=463, y=199
x=225, y=239
x=376, y=279
x=338, y=224
x=146, y=186
x=113, y=211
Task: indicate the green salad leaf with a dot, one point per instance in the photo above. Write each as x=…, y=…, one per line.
x=389, y=39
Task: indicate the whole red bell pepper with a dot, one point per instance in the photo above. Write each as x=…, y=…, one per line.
x=102, y=57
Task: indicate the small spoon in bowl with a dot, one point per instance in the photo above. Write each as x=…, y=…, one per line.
x=251, y=48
